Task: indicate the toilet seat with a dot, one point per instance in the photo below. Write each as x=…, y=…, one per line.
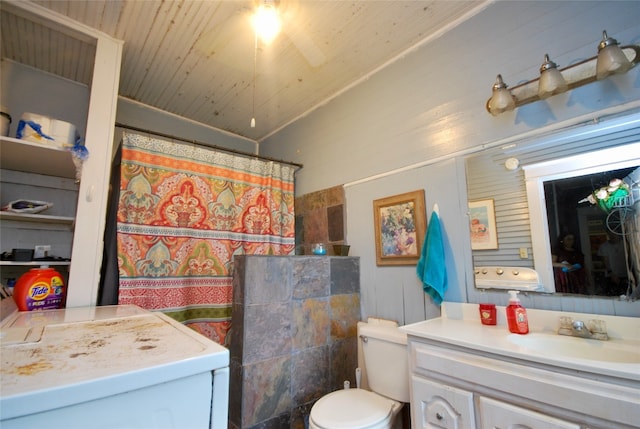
x=352, y=409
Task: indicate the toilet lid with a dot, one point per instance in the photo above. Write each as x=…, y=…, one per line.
x=351, y=409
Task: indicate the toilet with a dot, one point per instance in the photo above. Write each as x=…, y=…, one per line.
x=384, y=352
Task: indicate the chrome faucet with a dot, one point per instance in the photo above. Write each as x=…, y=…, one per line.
x=580, y=330
x=594, y=329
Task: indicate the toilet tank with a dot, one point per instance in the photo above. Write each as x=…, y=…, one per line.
x=384, y=351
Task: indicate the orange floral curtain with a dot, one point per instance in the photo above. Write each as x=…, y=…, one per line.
x=184, y=211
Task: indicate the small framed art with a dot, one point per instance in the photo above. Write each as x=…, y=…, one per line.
x=482, y=225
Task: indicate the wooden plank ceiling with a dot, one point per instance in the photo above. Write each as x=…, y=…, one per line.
x=196, y=58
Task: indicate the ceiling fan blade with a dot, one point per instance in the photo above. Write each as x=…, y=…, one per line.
x=309, y=50
x=224, y=44
x=294, y=16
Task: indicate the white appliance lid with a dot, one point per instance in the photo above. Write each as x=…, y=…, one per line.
x=351, y=409
x=115, y=349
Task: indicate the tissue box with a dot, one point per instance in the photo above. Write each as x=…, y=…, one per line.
x=22, y=255
x=63, y=134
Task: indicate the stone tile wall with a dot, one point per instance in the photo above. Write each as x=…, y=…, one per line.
x=320, y=218
x=293, y=336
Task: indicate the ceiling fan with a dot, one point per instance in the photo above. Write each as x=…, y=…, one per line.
x=231, y=33
x=231, y=41
x=291, y=23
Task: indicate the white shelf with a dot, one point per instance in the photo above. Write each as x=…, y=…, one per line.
x=38, y=218
x=35, y=263
x=30, y=157
x=97, y=114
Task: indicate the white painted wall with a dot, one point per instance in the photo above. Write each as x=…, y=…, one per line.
x=429, y=105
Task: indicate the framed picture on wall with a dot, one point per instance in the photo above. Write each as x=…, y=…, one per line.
x=400, y=224
x=482, y=225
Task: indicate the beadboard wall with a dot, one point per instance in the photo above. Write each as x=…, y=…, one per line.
x=412, y=124
x=488, y=178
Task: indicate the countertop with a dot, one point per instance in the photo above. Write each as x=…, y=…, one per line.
x=460, y=326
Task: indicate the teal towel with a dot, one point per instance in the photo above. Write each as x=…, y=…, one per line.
x=431, y=267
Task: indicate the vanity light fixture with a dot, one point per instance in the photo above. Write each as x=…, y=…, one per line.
x=611, y=59
x=501, y=101
x=551, y=80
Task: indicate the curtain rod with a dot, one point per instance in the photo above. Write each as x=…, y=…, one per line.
x=224, y=149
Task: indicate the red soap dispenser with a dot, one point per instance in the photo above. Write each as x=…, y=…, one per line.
x=516, y=315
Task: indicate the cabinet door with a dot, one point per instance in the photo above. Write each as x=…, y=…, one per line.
x=499, y=415
x=437, y=406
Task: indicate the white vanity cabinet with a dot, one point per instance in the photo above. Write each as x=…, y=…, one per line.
x=445, y=407
x=84, y=50
x=440, y=405
x=497, y=414
x=468, y=376
x=461, y=389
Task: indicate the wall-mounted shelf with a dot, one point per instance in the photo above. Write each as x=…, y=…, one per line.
x=30, y=157
x=37, y=218
x=95, y=115
x=35, y=263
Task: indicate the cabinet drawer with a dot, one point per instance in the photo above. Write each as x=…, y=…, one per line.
x=439, y=406
x=499, y=415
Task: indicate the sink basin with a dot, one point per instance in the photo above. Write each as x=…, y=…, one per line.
x=578, y=348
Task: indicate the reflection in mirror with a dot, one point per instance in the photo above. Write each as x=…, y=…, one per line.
x=585, y=233
x=522, y=231
x=590, y=239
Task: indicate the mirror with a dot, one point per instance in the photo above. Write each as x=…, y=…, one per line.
x=574, y=237
x=522, y=222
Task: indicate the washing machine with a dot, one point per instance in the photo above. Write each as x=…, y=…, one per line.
x=109, y=367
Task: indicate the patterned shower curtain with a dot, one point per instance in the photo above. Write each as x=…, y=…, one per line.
x=184, y=211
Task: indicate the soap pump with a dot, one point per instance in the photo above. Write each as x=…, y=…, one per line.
x=516, y=315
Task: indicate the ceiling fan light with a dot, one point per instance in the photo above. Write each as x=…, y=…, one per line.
x=266, y=22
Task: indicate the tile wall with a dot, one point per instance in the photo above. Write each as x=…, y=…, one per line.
x=293, y=336
x=320, y=218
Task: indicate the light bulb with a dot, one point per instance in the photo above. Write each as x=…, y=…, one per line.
x=266, y=23
x=611, y=59
x=551, y=80
x=501, y=101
